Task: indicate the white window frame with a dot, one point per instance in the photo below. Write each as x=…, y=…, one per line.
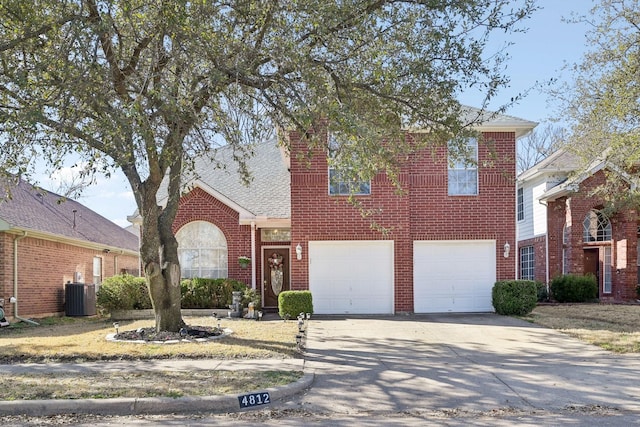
x=212, y=261
x=520, y=204
x=462, y=176
x=97, y=270
x=606, y=270
x=596, y=227
x=527, y=263
x=347, y=186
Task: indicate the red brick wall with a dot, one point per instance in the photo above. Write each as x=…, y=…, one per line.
x=45, y=266
x=623, y=245
x=198, y=205
x=425, y=212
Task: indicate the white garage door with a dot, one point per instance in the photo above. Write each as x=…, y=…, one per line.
x=453, y=276
x=351, y=277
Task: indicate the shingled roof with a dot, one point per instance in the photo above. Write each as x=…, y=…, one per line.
x=267, y=195
x=27, y=208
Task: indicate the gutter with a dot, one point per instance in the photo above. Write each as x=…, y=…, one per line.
x=14, y=298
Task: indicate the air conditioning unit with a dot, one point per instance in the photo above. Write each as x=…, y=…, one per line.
x=3, y=321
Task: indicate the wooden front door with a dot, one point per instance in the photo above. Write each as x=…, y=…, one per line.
x=592, y=264
x=275, y=267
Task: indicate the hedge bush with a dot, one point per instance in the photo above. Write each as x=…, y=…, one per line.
x=292, y=303
x=514, y=297
x=574, y=288
x=124, y=292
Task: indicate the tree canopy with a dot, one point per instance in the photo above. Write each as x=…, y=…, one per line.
x=603, y=103
x=146, y=85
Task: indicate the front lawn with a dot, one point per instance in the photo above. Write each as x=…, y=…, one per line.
x=611, y=326
x=72, y=339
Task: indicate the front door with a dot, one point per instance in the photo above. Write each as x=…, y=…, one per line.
x=275, y=267
x=592, y=264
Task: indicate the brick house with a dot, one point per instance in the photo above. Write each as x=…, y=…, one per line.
x=563, y=228
x=53, y=241
x=449, y=240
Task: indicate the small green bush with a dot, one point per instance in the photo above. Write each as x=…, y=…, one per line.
x=543, y=292
x=292, y=303
x=574, y=288
x=124, y=292
x=514, y=297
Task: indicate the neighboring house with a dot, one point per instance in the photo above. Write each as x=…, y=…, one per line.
x=52, y=241
x=449, y=241
x=562, y=228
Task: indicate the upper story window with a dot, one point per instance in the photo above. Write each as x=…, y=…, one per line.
x=344, y=180
x=597, y=227
x=520, y=204
x=202, y=250
x=463, y=168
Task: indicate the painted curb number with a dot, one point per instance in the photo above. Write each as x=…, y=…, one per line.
x=254, y=399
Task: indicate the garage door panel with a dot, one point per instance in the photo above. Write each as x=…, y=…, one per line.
x=454, y=276
x=351, y=277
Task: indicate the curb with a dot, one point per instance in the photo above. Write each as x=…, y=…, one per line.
x=147, y=405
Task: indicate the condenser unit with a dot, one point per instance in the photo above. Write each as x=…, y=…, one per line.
x=3, y=321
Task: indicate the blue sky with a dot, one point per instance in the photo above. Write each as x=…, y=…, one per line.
x=538, y=55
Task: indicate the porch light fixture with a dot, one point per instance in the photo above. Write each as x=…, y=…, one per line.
x=299, y=252
x=507, y=248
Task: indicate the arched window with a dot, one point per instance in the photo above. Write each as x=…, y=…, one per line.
x=597, y=227
x=202, y=250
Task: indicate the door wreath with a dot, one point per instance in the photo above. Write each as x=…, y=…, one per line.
x=276, y=264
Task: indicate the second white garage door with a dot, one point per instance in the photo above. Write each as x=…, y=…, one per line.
x=453, y=276
x=351, y=277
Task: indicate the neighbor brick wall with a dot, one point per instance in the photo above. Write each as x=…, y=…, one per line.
x=424, y=212
x=624, y=250
x=45, y=266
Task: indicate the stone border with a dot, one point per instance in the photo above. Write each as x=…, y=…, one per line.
x=225, y=332
x=149, y=314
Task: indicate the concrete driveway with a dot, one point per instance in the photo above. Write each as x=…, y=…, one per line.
x=482, y=362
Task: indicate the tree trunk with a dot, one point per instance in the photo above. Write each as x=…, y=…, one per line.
x=159, y=254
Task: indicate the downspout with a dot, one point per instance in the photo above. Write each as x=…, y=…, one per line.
x=14, y=299
x=253, y=255
x=546, y=245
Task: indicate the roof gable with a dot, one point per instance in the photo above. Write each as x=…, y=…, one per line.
x=28, y=208
x=266, y=196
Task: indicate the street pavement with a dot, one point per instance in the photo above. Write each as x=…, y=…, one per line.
x=450, y=369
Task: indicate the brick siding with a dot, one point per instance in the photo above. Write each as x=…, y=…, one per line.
x=624, y=225
x=424, y=212
x=45, y=266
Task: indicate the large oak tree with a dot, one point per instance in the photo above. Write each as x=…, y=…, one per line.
x=146, y=85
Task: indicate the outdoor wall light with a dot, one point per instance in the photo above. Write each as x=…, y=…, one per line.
x=299, y=252
x=507, y=248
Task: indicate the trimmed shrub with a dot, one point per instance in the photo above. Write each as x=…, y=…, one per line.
x=209, y=293
x=574, y=288
x=127, y=292
x=292, y=303
x=514, y=297
x=124, y=292
x=543, y=292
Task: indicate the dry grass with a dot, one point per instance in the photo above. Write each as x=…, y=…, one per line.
x=71, y=339
x=138, y=384
x=83, y=339
x=613, y=327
